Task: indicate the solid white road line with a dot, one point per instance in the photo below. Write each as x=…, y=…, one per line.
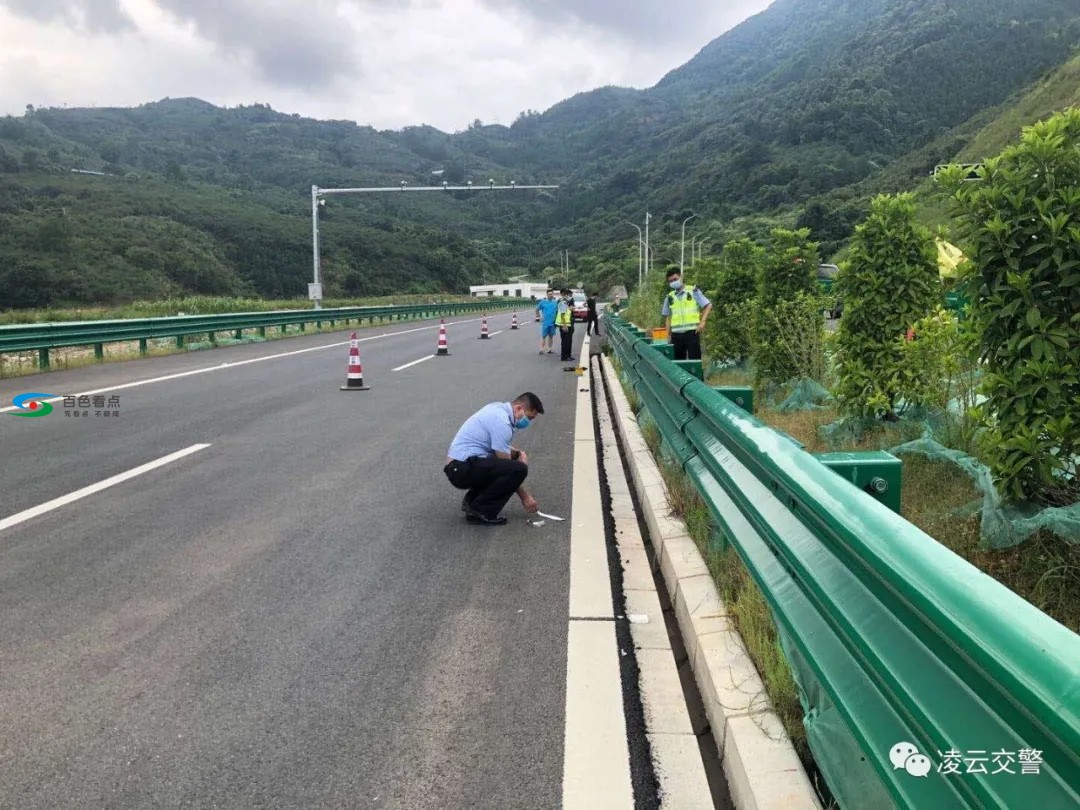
x=413, y=363
x=493, y=334
x=221, y=366
x=79, y=494
x=596, y=756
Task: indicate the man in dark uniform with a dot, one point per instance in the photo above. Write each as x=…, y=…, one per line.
x=591, y=321
x=564, y=320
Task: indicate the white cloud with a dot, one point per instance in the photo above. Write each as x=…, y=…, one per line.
x=388, y=63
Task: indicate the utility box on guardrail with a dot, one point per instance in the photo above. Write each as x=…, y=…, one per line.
x=875, y=472
x=743, y=397
x=692, y=367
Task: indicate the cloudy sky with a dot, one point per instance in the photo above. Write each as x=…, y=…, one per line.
x=388, y=63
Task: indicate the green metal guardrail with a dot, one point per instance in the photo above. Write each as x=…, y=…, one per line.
x=42, y=337
x=891, y=637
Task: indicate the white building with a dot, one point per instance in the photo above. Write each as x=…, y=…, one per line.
x=518, y=289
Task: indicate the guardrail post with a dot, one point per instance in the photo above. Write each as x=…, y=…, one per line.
x=239, y=334
x=43, y=359
x=179, y=341
x=875, y=472
x=213, y=337
x=284, y=328
x=99, y=352
x=262, y=331
x=143, y=348
x=303, y=326
x=665, y=348
x=741, y=396
x=691, y=366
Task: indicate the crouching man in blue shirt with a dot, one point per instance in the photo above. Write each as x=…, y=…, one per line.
x=482, y=461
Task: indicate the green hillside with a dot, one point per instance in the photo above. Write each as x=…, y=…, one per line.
x=982, y=136
x=795, y=115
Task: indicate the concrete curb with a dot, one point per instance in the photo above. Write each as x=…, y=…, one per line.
x=676, y=756
x=760, y=763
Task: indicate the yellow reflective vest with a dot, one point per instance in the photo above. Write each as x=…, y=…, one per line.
x=564, y=317
x=685, y=312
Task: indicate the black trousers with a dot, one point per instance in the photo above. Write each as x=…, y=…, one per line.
x=490, y=481
x=687, y=345
x=566, y=345
x=592, y=323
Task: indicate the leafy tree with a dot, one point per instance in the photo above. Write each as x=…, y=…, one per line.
x=789, y=268
x=890, y=281
x=1023, y=240
x=729, y=331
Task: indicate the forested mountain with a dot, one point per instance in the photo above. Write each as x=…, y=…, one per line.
x=798, y=112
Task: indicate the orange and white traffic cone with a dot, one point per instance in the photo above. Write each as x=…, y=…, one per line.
x=444, y=348
x=354, y=379
x=513, y=322
x=483, y=329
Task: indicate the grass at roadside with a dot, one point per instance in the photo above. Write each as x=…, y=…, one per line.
x=744, y=601
x=19, y=364
x=942, y=500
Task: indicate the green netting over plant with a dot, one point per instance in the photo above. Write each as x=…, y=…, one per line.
x=805, y=395
x=1002, y=525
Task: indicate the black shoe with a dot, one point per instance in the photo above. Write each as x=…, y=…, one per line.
x=465, y=503
x=484, y=520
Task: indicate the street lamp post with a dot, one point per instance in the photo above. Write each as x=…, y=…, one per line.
x=318, y=201
x=648, y=267
x=682, y=244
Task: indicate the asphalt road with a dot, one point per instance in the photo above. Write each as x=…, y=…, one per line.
x=297, y=615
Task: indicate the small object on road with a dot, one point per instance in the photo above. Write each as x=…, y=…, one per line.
x=638, y=618
x=550, y=517
x=537, y=522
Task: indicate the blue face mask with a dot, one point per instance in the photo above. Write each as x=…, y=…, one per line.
x=523, y=423
x=675, y=285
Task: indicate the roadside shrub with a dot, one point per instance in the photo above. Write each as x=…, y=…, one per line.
x=939, y=369
x=889, y=282
x=647, y=301
x=788, y=269
x=1022, y=236
x=798, y=335
x=729, y=333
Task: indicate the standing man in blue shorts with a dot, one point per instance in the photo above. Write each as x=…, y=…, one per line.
x=547, y=308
